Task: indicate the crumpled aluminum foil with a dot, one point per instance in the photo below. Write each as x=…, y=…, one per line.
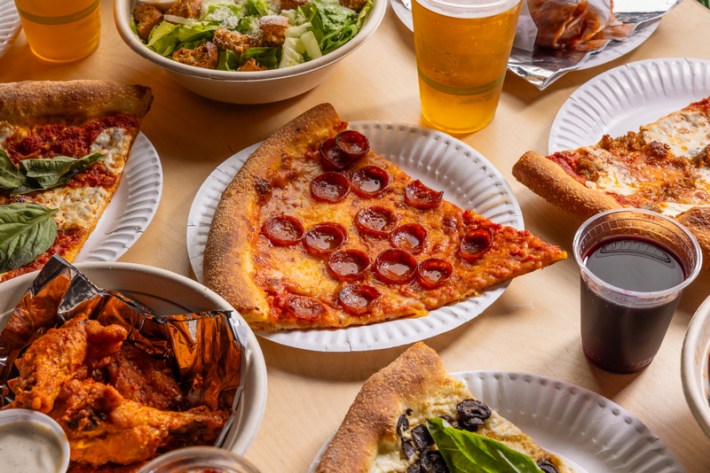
x=203, y=348
x=542, y=67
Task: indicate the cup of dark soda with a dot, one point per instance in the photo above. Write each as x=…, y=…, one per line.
x=634, y=265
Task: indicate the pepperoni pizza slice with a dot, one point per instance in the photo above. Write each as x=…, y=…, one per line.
x=318, y=230
x=63, y=149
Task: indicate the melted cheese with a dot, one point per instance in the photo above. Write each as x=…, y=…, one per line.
x=77, y=208
x=114, y=144
x=686, y=132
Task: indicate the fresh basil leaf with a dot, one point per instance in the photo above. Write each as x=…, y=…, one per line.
x=26, y=231
x=468, y=452
x=46, y=173
x=10, y=175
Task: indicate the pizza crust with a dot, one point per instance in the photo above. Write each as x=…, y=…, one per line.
x=697, y=220
x=417, y=374
x=549, y=180
x=70, y=102
x=228, y=261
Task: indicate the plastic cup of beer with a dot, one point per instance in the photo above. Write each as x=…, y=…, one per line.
x=462, y=49
x=634, y=265
x=61, y=30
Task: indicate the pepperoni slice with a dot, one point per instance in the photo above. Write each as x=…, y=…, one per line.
x=370, y=181
x=283, y=230
x=433, y=272
x=375, y=221
x=475, y=244
x=333, y=157
x=304, y=307
x=330, y=187
x=348, y=265
x=353, y=143
x=395, y=266
x=357, y=299
x=422, y=197
x=410, y=237
x=324, y=238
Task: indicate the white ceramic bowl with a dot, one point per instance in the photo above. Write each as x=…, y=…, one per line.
x=695, y=364
x=169, y=293
x=248, y=87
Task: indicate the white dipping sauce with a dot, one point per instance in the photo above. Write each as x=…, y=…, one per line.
x=29, y=447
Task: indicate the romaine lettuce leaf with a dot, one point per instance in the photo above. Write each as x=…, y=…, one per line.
x=167, y=37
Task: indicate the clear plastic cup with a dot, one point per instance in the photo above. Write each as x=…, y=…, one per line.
x=634, y=266
x=199, y=460
x=462, y=49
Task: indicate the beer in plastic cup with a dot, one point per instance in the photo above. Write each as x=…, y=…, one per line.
x=61, y=30
x=462, y=49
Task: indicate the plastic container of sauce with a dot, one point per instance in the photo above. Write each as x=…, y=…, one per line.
x=199, y=460
x=31, y=441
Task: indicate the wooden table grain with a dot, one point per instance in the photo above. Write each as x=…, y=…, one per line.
x=533, y=327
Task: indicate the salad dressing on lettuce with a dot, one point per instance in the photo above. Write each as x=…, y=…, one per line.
x=248, y=35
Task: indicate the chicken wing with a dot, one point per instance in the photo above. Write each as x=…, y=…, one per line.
x=62, y=354
x=103, y=426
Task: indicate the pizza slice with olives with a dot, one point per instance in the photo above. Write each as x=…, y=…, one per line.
x=63, y=150
x=413, y=417
x=318, y=230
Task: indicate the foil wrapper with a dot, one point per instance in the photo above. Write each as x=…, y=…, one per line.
x=542, y=66
x=203, y=349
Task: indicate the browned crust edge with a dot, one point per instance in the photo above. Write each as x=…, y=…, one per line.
x=228, y=253
x=548, y=180
x=374, y=412
x=69, y=102
x=551, y=182
x=697, y=220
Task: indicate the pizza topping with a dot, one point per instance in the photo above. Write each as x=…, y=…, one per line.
x=27, y=230
x=547, y=466
x=419, y=196
x=410, y=237
x=348, y=265
x=332, y=157
x=283, y=230
x=375, y=221
x=330, y=187
x=395, y=266
x=357, y=299
x=472, y=414
x=433, y=272
x=475, y=244
x=304, y=307
x=370, y=181
x=353, y=143
x=324, y=238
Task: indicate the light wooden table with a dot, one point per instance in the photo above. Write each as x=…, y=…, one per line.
x=533, y=327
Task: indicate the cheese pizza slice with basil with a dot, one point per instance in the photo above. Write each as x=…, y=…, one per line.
x=63, y=150
x=664, y=167
x=413, y=417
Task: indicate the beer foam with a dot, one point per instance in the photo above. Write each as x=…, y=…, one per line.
x=468, y=8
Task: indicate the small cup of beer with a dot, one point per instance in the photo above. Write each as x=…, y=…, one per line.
x=462, y=49
x=61, y=31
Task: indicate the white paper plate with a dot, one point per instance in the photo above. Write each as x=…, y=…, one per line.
x=166, y=293
x=589, y=431
x=695, y=366
x=132, y=207
x=612, y=51
x=626, y=97
x=9, y=24
x=440, y=161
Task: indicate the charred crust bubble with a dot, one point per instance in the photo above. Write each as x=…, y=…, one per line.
x=472, y=414
x=547, y=466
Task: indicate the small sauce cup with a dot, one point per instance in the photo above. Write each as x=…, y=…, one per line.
x=32, y=441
